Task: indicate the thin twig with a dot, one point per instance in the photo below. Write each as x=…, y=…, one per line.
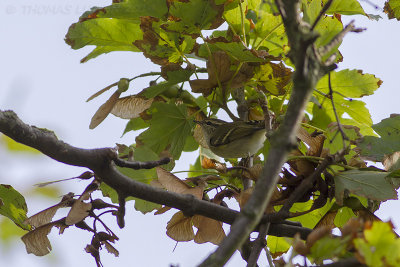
x=340, y=128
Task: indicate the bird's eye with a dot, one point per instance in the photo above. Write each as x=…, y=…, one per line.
x=208, y=122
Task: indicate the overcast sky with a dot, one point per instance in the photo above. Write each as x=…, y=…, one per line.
x=43, y=81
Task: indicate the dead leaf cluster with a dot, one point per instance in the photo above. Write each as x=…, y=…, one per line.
x=180, y=227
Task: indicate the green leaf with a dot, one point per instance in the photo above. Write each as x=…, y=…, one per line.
x=369, y=184
x=311, y=10
x=236, y=49
x=14, y=146
x=273, y=78
x=310, y=219
x=343, y=215
x=349, y=83
x=335, y=143
x=99, y=50
x=233, y=15
x=135, y=124
x=13, y=206
x=145, y=206
x=103, y=32
x=327, y=248
x=375, y=148
x=190, y=17
x=356, y=109
x=328, y=27
x=174, y=77
x=196, y=169
x=392, y=9
x=133, y=10
x=190, y=144
x=9, y=232
x=269, y=33
x=278, y=245
x=169, y=127
x=345, y=7
x=380, y=247
x=163, y=47
x=107, y=34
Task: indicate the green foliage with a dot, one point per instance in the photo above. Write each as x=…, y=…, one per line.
x=169, y=127
x=369, y=184
x=242, y=47
x=380, y=246
x=375, y=148
x=13, y=146
x=13, y=206
x=327, y=248
x=392, y=8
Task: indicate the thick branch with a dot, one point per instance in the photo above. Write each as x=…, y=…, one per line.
x=100, y=161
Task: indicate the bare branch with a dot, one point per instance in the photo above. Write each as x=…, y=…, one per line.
x=100, y=161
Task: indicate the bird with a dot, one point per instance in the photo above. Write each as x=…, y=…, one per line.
x=238, y=139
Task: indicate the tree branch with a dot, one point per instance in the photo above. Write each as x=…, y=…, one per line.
x=101, y=162
x=308, y=70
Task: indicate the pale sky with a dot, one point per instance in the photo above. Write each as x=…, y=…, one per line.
x=43, y=81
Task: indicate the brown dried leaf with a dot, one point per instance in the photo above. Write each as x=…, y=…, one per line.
x=392, y=161
x=80, y=209
x=301, y=166
x=111, y=249
x=174, y=184
x=101, y=91
x=315, y=143
x=156, y=183
x=36, y=241
x=104, y=110
x=162, y=210
x=209, y=230
x=130, y=107
x=45, y=216
x=179, y=228
x=244, y=196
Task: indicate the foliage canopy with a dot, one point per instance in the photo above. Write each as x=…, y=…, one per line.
x=216, y=56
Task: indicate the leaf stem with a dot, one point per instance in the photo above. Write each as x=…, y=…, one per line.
x=242, y=15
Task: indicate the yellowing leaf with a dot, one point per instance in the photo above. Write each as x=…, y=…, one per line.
x=130, y=107
x=179, y=228
x=13, y=206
